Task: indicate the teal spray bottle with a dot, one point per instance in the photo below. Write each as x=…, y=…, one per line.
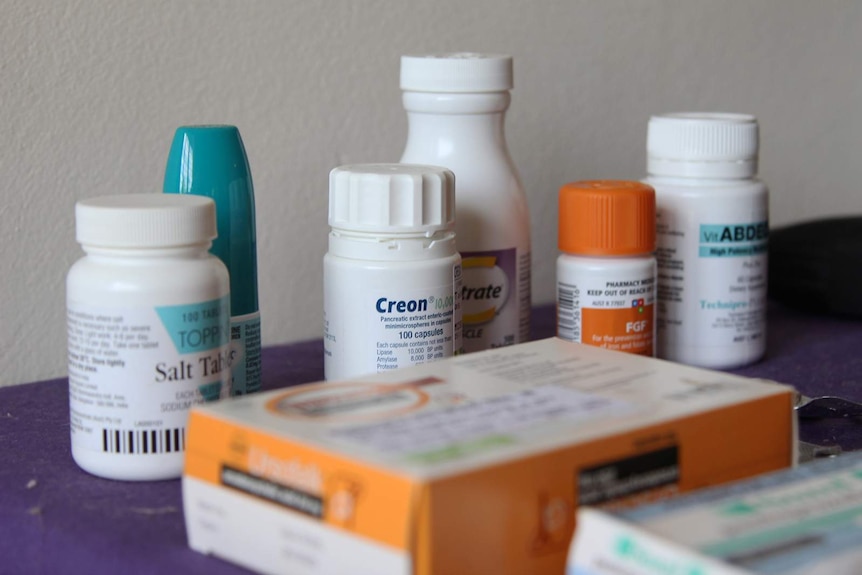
x=211, y=161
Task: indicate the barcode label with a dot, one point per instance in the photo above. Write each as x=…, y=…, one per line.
x=144, y=441
x=568, y=312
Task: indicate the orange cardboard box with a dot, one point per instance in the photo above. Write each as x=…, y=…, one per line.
x=474, y=464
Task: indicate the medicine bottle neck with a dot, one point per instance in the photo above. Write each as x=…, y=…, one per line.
x=192, y=251
x=706, y=170
x=391, y=247
x=442, y=124
x=702, y=182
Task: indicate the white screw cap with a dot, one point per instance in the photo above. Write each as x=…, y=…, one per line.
x=145, y=221
x=703, y=145
x=456, y=72
x=391, y=198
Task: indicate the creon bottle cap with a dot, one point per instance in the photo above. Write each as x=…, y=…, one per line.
x=391, y=198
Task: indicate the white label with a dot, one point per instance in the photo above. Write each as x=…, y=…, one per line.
x=135, y=373
x=731, y=301
x=218, y=521
x=480, y=424
x=712, y=274
x=609, y=308
x=245, y=345
x=411, y=328
x=382, y=318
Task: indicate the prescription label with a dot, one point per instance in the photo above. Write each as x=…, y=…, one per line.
x=615, y=313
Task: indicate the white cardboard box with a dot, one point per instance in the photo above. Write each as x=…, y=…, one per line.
x=807, y=520
x=469, y=465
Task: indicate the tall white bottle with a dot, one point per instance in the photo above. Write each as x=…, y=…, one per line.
x=456, y=105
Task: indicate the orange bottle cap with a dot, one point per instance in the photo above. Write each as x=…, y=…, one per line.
x=607, y=218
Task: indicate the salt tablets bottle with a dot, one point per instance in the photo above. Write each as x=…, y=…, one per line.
x=392, y=276
x=713, y=230
x=606, y=273
x=148, y=324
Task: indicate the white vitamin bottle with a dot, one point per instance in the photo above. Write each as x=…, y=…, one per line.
x=712, y=233
x=392, y=274
x=456, y=104
x=607, y=271
x=148, y=324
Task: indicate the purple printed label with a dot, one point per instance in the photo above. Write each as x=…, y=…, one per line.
x=489, y=296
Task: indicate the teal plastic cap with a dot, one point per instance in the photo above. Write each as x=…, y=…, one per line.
x=211, y=161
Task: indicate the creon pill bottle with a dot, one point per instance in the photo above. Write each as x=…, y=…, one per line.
x=392, y=276
x=712, y=233
x=606, y=273
x=148, y=324
x=456, y=105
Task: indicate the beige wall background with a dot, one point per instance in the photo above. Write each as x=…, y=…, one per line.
x=92, y=90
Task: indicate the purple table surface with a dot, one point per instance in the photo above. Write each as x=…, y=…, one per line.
x=55, y=518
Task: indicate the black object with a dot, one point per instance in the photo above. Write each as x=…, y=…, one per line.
x=817, y=266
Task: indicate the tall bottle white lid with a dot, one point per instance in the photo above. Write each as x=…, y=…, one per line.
x=145, y=221
x=391, y=198
x=456, y=72
x=706, y=145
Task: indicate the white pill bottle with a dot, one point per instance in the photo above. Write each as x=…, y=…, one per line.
x=392, y=275
x=148, y=324
x=712, y=224
x=456, y=105
x=607, y=269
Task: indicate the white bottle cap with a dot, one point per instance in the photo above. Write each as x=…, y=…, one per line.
x=391, y=198
x=456, y=72
x=706, y=145
x=145, y=221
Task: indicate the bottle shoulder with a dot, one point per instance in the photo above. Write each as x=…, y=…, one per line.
x=456, y=103
x=90, y=278
x=473, y=164
x=705, y=186
x=637, y=263
x=489, y=218
x=480, y=173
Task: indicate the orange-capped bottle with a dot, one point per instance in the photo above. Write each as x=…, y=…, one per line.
x=606, y=275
